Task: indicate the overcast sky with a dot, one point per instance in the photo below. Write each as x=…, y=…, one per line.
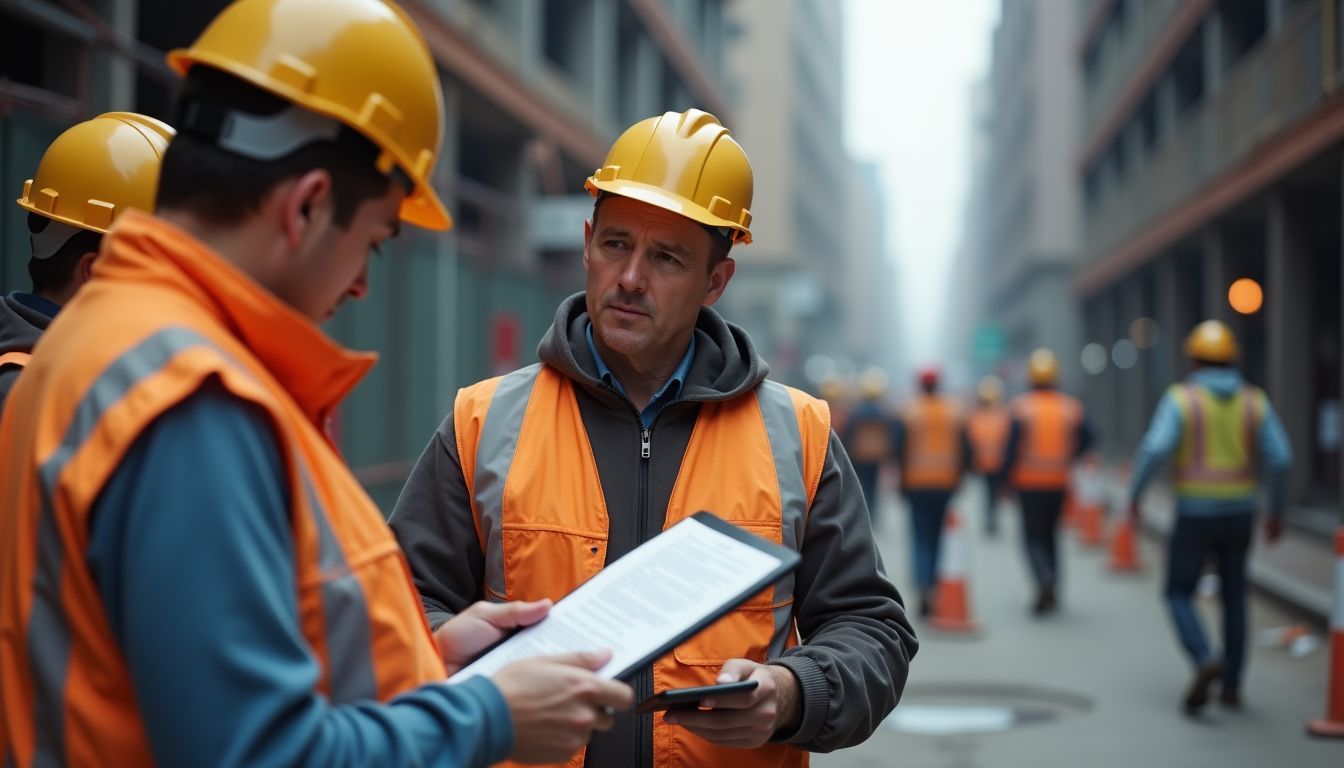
x=909, y=67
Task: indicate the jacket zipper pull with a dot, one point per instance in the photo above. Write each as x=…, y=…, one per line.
x=644, y=444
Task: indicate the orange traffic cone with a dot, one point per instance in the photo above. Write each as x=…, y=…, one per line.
x=1090, y=518
x=952, y=602
x=1070, y=516
x=1332, y=725
x=1124, y=547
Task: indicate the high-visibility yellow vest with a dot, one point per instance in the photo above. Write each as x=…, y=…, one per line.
x=1216, y=458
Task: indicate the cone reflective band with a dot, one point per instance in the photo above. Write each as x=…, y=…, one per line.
x=1332, y=725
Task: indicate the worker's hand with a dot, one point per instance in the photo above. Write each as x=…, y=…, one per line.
x=557, y=703
x=1273, y=528
x=481, y=625
x=745, y=720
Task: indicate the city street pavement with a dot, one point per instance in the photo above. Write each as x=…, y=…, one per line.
x=1098, y=684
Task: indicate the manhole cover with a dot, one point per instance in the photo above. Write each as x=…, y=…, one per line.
x=947, y=710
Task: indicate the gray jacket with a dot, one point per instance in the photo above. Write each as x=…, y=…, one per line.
x=20, y=327
x=857, y=641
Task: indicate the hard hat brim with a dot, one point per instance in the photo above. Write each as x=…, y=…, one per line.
x=652, y=195
x=26, y=205
x=421, y=208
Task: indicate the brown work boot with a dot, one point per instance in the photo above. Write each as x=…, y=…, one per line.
x=1230, y=699
x=1197, y=695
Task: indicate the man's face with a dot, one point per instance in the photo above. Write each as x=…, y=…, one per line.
x=333, y=263
x=648, y=276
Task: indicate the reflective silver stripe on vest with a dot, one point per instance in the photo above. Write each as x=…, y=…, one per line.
x=48, y=628
x=494, y=455
x=344, y=611
x=786, y=444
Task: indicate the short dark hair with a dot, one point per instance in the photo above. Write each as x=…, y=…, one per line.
x=223, y=187
x=719, y=244
x=57, y=273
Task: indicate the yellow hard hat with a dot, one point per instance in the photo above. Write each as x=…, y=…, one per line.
x=990, y=390
x=360, y=62
x=1212, y=341
x=1042, y=368
x=684, y=162
x=872, y=383
x=831, y=389
x=97, y=169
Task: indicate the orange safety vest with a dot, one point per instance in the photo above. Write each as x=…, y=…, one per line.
x=1219, y=437
x=988, y=431
x=165, y=315
x=16, y=358
x=542, y=518
x=932, y=459
x=1048, y=440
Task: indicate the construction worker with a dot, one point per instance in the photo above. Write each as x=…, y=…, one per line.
x=867, y=435
x=933, y=450
x=89, y=175
x=647, y=406
x=1048, y=433
x=835, y=392
x=987, y=426
x=1223, y=432
x=190, y=572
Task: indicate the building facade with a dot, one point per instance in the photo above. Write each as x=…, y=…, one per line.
x=1028, y=218
x=1212, y=147
x=535, y=93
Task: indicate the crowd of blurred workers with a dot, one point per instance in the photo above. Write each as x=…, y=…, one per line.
x=188, y=567
x=1220, y=432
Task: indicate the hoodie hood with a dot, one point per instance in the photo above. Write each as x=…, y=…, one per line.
x=725, y=366
x=1222, y=382
x=20, y=325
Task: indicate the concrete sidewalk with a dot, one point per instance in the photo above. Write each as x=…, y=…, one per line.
x=1104, y=678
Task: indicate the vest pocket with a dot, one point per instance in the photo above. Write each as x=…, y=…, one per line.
x=549, y=561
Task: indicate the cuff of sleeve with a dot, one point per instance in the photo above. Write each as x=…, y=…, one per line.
x=498, y=724
x=813, y=699
x=437, y=618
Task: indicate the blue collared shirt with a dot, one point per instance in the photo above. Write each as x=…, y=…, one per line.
x=667, y=393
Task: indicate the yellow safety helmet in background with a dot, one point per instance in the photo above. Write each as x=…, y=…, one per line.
x=684, y=162
x=1213, y=342
x=360, y=62
x=97, y=169
x=831, y=389
x=872, y=383
x=1042, y=368
x=990, y=390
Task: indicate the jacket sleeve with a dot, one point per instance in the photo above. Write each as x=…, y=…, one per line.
x=1276, y=455
x=857, y=641
x=191, y=547
x=1009, y=453
x=435, y=527
x=1158, y=444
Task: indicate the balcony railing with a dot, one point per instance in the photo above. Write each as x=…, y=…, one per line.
x=1272, y=86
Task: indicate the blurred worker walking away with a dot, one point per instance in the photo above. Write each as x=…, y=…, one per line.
x=1223, y=433
x=933, y=451
x=1049, y=432
x=988, y=425
x=835, y=392
x=189, y=572
x=868, y=435
x=90, y=175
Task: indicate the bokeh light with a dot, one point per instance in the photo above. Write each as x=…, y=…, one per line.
x=1094, y=358
x=1124, y=354
x=1246, y=296
x=1144, y=332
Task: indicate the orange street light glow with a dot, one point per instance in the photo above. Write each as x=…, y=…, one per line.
x=1246, y=296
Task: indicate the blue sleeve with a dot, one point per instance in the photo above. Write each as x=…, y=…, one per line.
x=192, y=551
x=898, y=440
x=1164, y=434
x=1276, y=455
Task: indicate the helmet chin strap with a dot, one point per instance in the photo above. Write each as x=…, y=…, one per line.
x=52, y=238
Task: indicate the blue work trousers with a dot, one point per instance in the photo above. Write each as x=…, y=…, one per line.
x=927, y=510
x=1226, y=540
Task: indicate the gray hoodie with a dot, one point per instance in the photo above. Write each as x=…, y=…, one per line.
x=857, y=641
x=20, y=327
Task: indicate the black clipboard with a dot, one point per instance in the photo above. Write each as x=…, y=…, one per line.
x=786, y=560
